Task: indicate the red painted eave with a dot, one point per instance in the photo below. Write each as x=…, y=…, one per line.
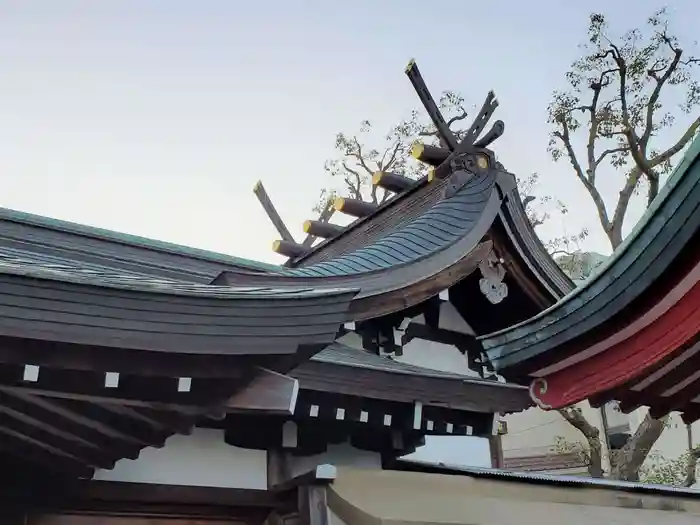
x=652, y=361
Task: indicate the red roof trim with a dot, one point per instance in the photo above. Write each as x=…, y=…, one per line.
x=650, y=316
x=630, y=358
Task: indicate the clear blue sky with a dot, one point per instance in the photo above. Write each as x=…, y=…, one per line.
x=157, y=117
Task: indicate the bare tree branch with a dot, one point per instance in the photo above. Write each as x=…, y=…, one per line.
x=565, y=137
x=609, y=151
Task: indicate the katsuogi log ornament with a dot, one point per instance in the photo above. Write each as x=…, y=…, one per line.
x=455, y=159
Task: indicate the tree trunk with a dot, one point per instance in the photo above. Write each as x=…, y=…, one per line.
x=692, y=467
x=631, y=457
x=595, y=456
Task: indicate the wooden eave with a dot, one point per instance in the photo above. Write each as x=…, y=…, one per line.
x=452, y=393
x=137, y=314
x=537, y=269
x=70, y=422
x=649, y=261
x=95, y=366
x=652, y=361
x=360, y=373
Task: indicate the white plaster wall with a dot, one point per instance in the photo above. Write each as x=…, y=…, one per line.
x=436, y=356
x=200, y=459
x=340, y=455
x=419, y=352
x=454, y=450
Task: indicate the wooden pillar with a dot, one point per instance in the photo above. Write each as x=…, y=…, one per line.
x=496, y=449
x=313, y=505
x=277, y=467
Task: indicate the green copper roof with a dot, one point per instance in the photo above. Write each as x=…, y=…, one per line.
x=132, y=240
x=669, y=225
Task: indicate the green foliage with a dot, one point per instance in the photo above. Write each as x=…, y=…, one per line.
x=620, y=96
x=661, y=471
x=535, y=207
x=562, y=446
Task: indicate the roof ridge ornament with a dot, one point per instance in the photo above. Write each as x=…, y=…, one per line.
x=458, y=159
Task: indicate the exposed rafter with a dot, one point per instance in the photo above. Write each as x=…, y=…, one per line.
x=354, y=207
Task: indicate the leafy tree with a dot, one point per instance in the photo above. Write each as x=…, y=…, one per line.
x=363, y=153
x=619, y=101
x=617, y=104
x=680, y=471
x=357, y=161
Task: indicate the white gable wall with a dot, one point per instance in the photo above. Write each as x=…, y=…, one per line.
x=340, y=455
x=200, y=459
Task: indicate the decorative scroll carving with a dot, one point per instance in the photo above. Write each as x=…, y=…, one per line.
x=491, y=284
x=538, y=387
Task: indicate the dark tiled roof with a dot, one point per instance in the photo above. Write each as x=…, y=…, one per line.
x=31, y=264
x=344, y=355
x=86, y=243
x=438, y=227
x=544, y=479
x=654, y=245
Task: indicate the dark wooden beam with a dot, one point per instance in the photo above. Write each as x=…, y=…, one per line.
x=354, y=207
x=392, y=181
x=325, y=216
x=44, y=455
x=379, y=386
x=161, y=421
x=479, y=123
x=185, y=395
x=98, y=359
x=496, y=451
x=55, y=413
x=269, y=392
x=325, y=230
x=319, y=476
x=288, y=249
x=448, y=139
x=269, y=208
x=432, y=155
x=494, y=133
x=139, y=430
x=56, y=442
x=80, y=494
